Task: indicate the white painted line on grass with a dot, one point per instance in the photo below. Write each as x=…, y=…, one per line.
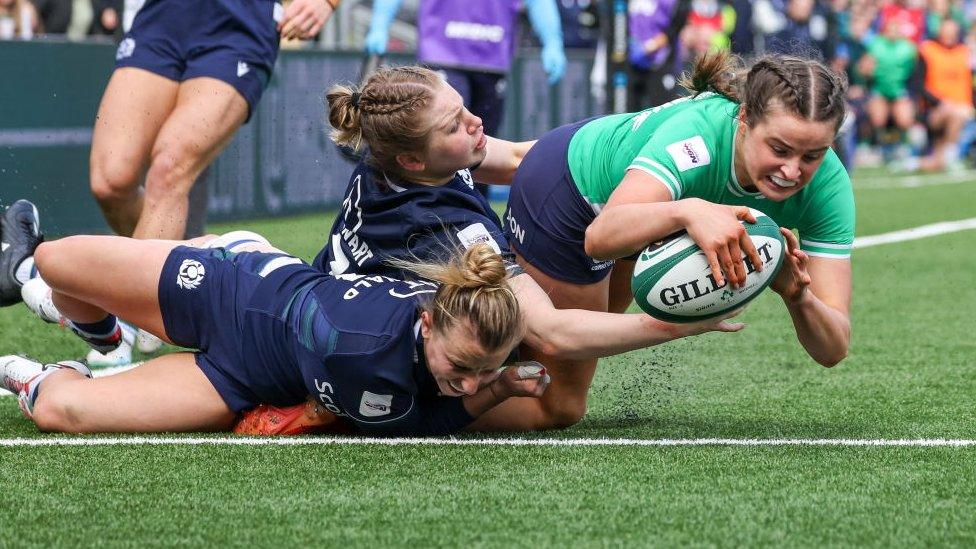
x=915, y=233
x=347, y=441
x=914, y=181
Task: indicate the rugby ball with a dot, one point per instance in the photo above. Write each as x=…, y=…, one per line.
x=673, y=282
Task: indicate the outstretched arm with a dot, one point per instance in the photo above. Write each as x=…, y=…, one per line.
x=581, y=334
x=501, y=161
x=817, y=293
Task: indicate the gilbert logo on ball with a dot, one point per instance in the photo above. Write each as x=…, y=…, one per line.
x=191, y=274
x=673, y=282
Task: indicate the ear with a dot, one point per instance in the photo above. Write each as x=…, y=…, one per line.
x=411, y=162
x=425, y=323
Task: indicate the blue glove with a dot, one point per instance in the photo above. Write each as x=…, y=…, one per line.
x=379, y=26
x=544, y=16
x=554, y=62
x=376, y=40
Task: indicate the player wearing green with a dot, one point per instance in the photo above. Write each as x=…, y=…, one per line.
x=688, y=146
x=889, y=62
x=590, y=194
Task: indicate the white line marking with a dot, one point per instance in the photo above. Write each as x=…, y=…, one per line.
x=915, y=233
x=347, y=441
x=914, y=181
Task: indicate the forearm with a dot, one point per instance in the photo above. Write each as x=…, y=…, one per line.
x=577, y=334
x=544, y=18
x=484, y=400
x=621, y=230
x=824, y=332
x=383, y=13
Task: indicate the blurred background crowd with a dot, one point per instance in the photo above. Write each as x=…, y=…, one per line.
x=909, y=62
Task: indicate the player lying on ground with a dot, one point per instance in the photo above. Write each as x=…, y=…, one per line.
x=413, y=196
x=388, y=355
x=591, y=194
x=220, y=286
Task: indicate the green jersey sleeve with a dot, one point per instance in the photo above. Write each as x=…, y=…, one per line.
x=685, y=150
x=826, y=225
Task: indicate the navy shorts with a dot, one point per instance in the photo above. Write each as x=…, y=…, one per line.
x=203, y=298
x=547, y=217
x=235, y=41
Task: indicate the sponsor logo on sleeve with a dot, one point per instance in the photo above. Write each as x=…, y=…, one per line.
x=475, y=233
x=690, y=153
x=374, y=405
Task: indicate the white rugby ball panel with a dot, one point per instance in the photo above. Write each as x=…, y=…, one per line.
x=689, y=290
x=673, y=282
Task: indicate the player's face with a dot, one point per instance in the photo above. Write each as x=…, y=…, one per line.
x=779, y=155
x=457, y=140
x=458, y=363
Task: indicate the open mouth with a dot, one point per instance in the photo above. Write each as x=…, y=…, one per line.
x=782, y=183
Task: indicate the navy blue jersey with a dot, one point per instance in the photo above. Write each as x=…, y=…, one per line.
x=352, y=342
x=383, y=219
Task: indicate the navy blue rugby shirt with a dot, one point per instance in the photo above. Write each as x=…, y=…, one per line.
x=355, y=340
x=385, y=218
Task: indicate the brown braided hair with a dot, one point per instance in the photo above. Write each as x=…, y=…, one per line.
x=473, y=290
x=804, y=87
x=384, y=113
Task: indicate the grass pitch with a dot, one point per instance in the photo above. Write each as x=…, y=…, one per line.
x=910, y=375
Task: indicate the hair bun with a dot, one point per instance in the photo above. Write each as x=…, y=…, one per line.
x=482, y=266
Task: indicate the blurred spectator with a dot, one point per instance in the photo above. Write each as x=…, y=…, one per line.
x=939, y=10
x=18, y=20
x=473, y=45
x=653, y=53
x=806, y=30
x=907, y=15
x=710, y=23
x=55, y=15
x=580, y=22
x=948, y=93
x=107, y=18
x=743, y=39
x=890, y=61
x=853, y=34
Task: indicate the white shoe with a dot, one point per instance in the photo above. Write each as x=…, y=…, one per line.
x=37, y=296
x=22, y=376
x=147, y=343
x=120, y=356
x=16, y=372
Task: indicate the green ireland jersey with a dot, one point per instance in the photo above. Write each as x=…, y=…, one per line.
x=687, y=144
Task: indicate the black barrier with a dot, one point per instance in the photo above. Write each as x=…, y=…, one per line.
x=282, y=162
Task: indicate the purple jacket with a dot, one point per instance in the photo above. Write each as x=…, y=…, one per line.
x=647, y=19
x=468, y=34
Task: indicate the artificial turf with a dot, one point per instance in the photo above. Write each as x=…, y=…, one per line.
x=911, y=374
